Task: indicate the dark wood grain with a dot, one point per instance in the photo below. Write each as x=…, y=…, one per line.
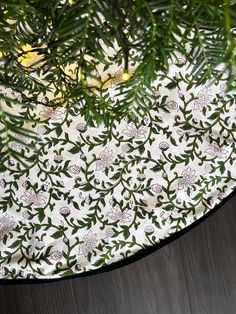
x=194, y=274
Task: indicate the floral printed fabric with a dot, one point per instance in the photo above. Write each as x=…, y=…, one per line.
x=98, y=195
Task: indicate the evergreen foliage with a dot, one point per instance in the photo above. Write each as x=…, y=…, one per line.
x=60, y=33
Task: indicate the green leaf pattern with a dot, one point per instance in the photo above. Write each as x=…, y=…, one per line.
x=95, y=195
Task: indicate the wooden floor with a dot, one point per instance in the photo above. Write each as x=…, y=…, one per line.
x=194, y=274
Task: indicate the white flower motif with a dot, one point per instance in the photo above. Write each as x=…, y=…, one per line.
x=132, y=131
x=30, y=197
x=58, y=157
x=89, y=243
x=80, y=127
x=203, y=98
x=146, y=120
x=180, y=94
x=141, y=176
x=39, y=245
x=188, y=179
x=106, y=157
x=215, y=151
x=118, y=214
x=222, y=195
x=47, y=185
x=180, y=61
x=6, y=225
x=65, y=240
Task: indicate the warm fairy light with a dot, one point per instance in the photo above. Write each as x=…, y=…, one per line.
x=26, y=47
x=125, y=76
x=28, y=57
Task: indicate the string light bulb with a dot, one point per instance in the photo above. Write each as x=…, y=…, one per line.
x=125, y=76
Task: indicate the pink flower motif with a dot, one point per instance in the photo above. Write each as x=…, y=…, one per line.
x=149, y=229
x=132, y=131
x=109, y=232
x=30, y=197
x=6, y=225
x=118, y=214
x=172, y=105
x=208, y=168
x=41, y=129
x=203, y=98
x=56, y=255
x=106, y=157
x=125, y=148
x=80, y=126
x=74, y=169
x=17, y=146
x=215, y=151
x=188, y=179
x=89, y=243
x=157, y=188
x=49, y=112
x=223, y=88
x=64, y=210
x=25, y=214
x=164, y=145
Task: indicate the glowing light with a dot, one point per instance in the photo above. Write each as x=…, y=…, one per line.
x=125, y=76
x=28, y=57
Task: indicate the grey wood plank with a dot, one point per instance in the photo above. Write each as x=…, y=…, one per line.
x=209, y=261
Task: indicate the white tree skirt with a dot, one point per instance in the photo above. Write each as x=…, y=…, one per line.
x=98, y=195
